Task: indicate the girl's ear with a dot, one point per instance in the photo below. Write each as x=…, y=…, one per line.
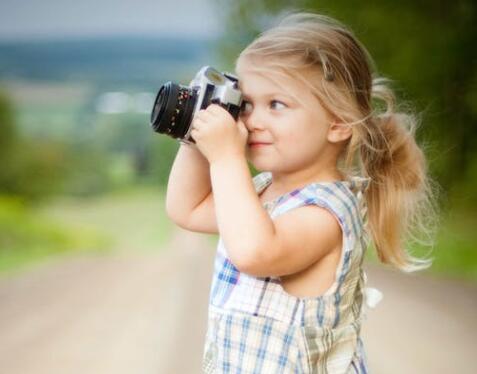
x=338, y=132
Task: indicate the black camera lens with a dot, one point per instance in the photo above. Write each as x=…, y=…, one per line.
x=173, y=109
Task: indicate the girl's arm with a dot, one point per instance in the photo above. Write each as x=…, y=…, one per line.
x=243, y=223
x=189, y=186
x=255, y=243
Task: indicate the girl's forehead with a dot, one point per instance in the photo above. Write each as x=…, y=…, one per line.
x=255, y=81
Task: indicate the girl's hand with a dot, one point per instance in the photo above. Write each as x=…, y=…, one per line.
x=217, y=135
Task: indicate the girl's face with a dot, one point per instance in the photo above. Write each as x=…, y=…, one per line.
x=284, y=135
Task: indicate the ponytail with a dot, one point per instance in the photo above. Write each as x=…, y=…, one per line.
x=401, y=197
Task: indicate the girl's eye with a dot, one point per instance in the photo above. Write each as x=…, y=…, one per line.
x=279, y=102
x=246, y=106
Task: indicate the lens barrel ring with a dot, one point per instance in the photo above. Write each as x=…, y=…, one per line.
x=173, y=109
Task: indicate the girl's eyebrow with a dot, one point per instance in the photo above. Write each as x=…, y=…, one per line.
x=247, y=96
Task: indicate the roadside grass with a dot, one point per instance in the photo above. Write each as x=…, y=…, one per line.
x=133, y=219
x=126, y=221
x=28, y=237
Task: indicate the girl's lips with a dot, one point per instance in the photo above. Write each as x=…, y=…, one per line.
x=257, y=145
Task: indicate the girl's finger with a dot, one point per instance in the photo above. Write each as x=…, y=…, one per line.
x=196, y=123
x=198, y=115
x=204, y=113
x=214, y=109
x=194, y=133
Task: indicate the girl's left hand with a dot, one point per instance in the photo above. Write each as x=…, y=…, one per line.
x=217, y=134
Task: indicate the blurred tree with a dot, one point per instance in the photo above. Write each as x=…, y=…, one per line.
x=36, y=168
x=426, y=47
x=163, y=150
x=8, y=135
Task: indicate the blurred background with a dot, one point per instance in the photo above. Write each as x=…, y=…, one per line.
x=93, y=275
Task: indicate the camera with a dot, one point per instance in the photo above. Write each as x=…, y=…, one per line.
x=175, y=105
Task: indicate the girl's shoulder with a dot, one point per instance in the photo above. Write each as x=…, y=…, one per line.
x=344, y=199
x=352, y=186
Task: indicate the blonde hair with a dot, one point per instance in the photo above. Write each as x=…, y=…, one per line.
x=325, y=55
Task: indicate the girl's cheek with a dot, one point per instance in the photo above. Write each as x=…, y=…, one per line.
x=291, y=132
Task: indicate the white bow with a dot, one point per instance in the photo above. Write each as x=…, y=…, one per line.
x=372, y=296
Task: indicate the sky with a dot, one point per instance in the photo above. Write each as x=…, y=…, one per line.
x=39, y=19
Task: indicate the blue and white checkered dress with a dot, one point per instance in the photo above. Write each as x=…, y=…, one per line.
x=255, y=326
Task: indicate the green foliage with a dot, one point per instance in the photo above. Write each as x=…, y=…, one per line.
x=33, y=169
x=26, y=237
x=40, y=168
x=27, y=169
x=85, y=171
x=163, y=153
x=133, y=219
x=7, y=127
x=37, y=167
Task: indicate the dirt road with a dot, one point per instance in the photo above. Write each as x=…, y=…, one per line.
x=141, y=313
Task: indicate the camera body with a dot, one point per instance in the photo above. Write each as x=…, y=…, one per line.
x=175, y=105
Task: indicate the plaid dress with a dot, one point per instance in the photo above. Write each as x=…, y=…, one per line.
x=256, y=326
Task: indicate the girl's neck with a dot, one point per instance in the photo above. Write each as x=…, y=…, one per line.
x=284, y=182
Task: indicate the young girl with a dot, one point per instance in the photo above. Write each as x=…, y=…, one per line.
x=288, y=287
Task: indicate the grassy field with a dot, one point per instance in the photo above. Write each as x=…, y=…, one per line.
x=131, y=220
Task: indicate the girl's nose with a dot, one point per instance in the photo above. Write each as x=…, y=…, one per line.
x=254, y=120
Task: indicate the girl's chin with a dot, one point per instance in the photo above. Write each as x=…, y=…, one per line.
x=259, y=162
x=259, y=166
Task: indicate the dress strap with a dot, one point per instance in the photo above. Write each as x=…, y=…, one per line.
x=357, y=184
x=262, y=181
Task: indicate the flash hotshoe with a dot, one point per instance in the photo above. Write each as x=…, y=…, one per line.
x=175, y=105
